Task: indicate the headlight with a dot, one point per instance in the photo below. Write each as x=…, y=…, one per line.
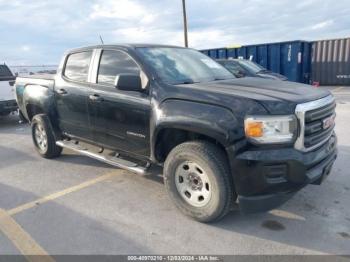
x=270, y=129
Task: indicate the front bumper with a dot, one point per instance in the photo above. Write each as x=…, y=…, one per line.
x=266, y=178
x=8, y=106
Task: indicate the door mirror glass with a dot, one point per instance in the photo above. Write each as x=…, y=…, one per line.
x=128, y=82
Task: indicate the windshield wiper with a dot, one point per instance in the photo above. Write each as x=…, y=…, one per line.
x=218, y=79
x=263, y=71
x=186, y=82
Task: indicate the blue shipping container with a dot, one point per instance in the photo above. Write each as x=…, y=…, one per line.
x=222, y=53
x=213, y=53
x=292, y=59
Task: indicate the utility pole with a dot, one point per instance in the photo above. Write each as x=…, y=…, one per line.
x=101, y=40
x=185, y=22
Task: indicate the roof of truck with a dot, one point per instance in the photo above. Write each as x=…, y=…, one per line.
x=122, y=46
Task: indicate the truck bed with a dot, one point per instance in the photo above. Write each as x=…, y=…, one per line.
x=47, y=80
x=39, y=76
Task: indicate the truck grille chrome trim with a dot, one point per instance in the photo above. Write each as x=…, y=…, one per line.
x=301, y=111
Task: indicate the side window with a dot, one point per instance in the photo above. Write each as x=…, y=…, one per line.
x=114, y=63
x=77, y=66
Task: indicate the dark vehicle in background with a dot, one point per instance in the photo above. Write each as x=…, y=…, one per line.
x=7, y=95
x=221, y=140
x=243, y=67
x=48, y=72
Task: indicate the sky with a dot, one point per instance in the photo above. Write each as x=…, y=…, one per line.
x=39, y=31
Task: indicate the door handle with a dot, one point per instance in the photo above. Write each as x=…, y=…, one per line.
x=62, y=91
x=95, y=98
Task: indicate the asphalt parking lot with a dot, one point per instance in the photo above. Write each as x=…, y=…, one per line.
x=76, y=205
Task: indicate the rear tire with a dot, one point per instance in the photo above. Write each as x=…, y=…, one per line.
x=43, y=137
x=198, y=180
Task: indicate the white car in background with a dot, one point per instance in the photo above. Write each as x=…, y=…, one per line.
x=7, y=96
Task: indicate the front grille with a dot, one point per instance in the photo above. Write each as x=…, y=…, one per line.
x=9, y=103
x=311, y=116
x=314, y=132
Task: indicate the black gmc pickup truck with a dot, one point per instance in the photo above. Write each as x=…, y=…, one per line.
x=221, y=140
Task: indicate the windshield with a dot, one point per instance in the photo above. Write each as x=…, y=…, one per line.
x=5, y=71
x=251, y=66
x=234, y=67
x=183, y=66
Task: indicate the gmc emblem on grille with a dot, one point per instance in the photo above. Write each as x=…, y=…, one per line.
x=328, y=122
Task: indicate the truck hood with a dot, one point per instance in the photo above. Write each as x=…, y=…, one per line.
x=272, y=75
x=278, y=97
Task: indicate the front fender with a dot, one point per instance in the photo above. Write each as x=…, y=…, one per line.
x=213, y=121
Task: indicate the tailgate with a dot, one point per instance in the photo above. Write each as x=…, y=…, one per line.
x=6, y=91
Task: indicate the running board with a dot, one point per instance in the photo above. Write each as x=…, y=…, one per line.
x=114, y=161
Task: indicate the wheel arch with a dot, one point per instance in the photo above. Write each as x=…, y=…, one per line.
x=33, y=109
x=36, y=99
x=178, y=121
x=168, y=137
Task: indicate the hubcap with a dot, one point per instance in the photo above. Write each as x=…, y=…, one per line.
x=40, y=137
x=193, y=184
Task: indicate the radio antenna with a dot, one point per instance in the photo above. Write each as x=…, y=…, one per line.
x=101, y=40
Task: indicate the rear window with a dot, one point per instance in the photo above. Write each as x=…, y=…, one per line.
x=77, y=66
x=5, y=72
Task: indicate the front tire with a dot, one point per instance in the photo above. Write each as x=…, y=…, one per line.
x=197, y=178
x=43, y=137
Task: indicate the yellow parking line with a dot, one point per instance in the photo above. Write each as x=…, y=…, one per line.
x=337, y=89
x=53, y=196
x=341, y=93
x=21, y=239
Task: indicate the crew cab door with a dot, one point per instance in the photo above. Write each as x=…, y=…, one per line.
x=119, y=119
x=71, y=92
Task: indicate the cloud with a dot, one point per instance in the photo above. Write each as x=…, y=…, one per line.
x=25, y=48
x=48, y=28
x=209, y=37
x=122, y=9
x=322, y=25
